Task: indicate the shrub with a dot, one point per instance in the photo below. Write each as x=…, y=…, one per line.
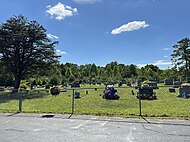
x=145, y=82
x=23, y=86
x=47, y=86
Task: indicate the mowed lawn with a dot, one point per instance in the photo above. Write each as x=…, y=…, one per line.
x=91, y=102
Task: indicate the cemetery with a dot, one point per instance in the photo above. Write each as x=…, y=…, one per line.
x=96, y=99
x=38, y=77
x=95, y=70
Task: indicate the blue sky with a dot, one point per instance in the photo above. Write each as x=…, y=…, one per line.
x=136, y=32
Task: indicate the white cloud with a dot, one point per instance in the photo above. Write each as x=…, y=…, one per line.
x=166, y=56
x=141, y=65
x=60, y=52
x=50, y=36
x=166, y=49
x=131, y=26
x=159, y=63
x=86, y=1
x=60, y=11
x=49, y=6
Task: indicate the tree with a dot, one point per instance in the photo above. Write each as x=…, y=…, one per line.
x=153, y=67
x=6, y=79
x=93, y=70
x=25, y=47
x=69, y=75
x=132, y=70
x=54, y=81
x=181, y=54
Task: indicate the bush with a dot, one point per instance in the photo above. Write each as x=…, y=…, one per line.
x=6, y=80
x=54, y=81
x=145, y=82
x=23, y=86
x=47, y=86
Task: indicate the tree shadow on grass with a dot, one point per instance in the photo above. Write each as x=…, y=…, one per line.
x=35, y=94
x=6, y=97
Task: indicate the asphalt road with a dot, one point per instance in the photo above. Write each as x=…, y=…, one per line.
x=59, y=128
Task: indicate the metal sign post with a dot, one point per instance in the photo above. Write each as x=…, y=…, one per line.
x=20, y=101
x=73, y=101
x=140, y=107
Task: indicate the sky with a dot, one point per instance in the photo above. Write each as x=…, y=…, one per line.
x=136, y=32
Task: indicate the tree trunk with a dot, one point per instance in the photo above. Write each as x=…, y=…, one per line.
x=187, y=69
x=17, y=83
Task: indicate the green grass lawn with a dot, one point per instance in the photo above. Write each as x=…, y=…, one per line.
x=92, y=103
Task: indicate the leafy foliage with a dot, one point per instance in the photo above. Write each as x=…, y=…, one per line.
x=181, y=55
x=25, y=48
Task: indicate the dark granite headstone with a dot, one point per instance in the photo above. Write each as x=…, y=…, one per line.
x=168, y=82
x=177, y=84
x=172, y=90
x=138, y=82
x=75, y=84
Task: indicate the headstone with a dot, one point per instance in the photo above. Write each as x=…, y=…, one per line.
x=153, y=85
x=177, y=84
x=77, y=95
x=54, y=91
x=124, y=82
x=64, y=85
x=188, y=79
x=75, y=84
x=161, y=81
x=168, y=82
x=146, y=92
x=98, y=83
x=64, y=89
x=138, y=83
x=185, y=88
x=172, y=90
x=119, y=84
x=2, y=88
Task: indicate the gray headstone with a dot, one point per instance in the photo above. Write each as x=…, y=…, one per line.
x=2, y=88
x=188, y=79
x=138, y=82
x=185, y=88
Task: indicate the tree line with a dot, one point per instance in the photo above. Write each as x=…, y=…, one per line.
x=90, y=73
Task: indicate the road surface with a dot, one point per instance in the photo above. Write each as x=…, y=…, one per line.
x=61, y=128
